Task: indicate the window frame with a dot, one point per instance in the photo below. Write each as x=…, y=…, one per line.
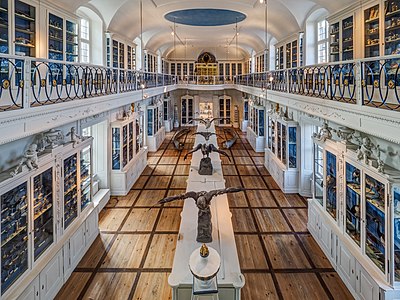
x=84, y=37
x=322, y=39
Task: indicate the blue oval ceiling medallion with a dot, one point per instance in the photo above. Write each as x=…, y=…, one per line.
x=205, y=17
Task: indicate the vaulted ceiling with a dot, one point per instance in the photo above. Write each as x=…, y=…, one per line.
x=284, y=18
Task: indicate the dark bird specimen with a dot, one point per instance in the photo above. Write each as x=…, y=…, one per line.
x=206, y=150
x=206, y=135
x=203, y=201
x=175, y=139
x=207, y=122
x=229, y=143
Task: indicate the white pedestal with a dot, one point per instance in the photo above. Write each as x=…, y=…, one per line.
x=230, y=279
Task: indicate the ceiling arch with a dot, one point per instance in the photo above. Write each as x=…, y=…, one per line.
x=123, y=18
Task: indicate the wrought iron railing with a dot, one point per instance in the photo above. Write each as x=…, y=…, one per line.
x=380, y=81
x=31, y=82
x=333, y=81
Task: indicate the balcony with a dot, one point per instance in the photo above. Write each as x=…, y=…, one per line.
x=362, y=94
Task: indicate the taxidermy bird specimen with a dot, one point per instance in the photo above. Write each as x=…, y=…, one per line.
x=206, y=135
x=207, y=122
x=229, y=143
x=206, y=150
x=175, y=139
x=203, y=201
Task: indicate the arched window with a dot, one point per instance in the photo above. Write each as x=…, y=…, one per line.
x=85, y=41
x=322, y=41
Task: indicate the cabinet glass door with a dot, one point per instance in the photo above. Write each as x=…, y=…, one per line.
x=124, y=146
x=353, y=196
x=25, y=26
x=331, y=205
x=347, y=38
x=288, y=55
x=284, y=131
x=56, y=37
x=70, y=190
x=150, y=122
x=292, y=147
x=86, y=177
x=371, y=30
x=334, y=42
x=396, y=224
x=184, y=111
x=14, y=235
x=279, y=145
x=375, y=221
x=273, y=136
x=3, y=27
x=261, y=122
x=43, y=212
x=115, y=54
x=318, y=174
x=246, y=110
x=116, y=148
x=137, y=126
x=131, y=144
x=72, y=41
x=190, y=110
x=269, y=133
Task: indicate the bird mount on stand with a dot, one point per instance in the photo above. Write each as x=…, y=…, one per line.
x=206, y=167
x=203, y=202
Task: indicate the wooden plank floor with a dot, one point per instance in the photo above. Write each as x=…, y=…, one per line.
x=133, y=255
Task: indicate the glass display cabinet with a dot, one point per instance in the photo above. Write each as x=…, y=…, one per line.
x=245, y=120
x=225, y=110
x=168, y=114
x=186, y=110
x=70, y=189
x=281, y=152
x=14, y=232
x=318, y=174
x=25, y=28
x=56, y=37
x=381, y=29
x=129, y=156
x=58, y=48
x=256, y=127
x=155, y=125
x=361, y=204
x=38, y=207
x=123, y=143
x=86, y=176
x=4, y=21
x=43, y=215
x=341, y=38
x=71, y=36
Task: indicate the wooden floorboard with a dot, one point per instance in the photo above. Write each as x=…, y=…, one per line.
x=133, y=255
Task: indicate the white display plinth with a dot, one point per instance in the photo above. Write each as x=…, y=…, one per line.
x=230, y=279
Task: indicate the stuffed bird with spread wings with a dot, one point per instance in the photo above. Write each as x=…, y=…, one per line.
x=206, y=150
x=207, y=122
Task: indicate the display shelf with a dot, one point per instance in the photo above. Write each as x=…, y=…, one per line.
x=71, y=37
x=155, y=125
x=85, y=177
x=225, y=110
x=186, y=110
x=24, y=28
x=43, y=212
x=353, y=198
x=368, y=222
x=70, y=190
x=14, y=234
x=122, y=144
